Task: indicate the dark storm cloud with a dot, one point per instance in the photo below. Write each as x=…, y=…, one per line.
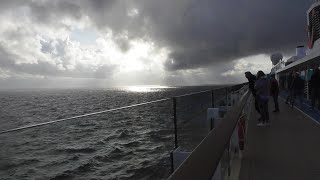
x=110, y=14
x=9, y=4
x=44, y=11
x=53, y=11
x=201, y=33
x=208, y=32
x=198, y=33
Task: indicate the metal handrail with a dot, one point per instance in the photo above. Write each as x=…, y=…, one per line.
x=81, y=116
x=203, y=161
x=105, y=111
x=200, y=92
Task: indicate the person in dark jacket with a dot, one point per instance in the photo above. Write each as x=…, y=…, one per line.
x=297, y=87
x=315, y=87
x=262, y=88
x=252, y=79
x=274, y=91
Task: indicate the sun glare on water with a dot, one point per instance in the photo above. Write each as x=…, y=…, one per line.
x=152, y=88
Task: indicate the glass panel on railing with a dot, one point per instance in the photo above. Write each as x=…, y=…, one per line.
x=231, y=158
x=192, y=119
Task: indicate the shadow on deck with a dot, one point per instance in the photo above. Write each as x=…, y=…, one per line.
x=289, y=149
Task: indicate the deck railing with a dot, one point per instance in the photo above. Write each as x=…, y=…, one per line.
x=188, y=112
x=215, y=149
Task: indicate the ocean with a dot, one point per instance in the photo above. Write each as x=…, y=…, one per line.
x=132, y=143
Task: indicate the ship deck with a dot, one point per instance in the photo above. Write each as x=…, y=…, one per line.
x=288, y=149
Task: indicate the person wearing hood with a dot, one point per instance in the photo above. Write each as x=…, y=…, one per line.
x=252, y=80
x=262, y=88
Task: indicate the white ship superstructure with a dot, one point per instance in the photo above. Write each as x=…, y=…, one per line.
x=306, y=58
x=313, y=16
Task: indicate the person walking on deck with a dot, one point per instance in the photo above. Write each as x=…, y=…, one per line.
x=297, y=87
x=262, y=88
x=315, y=88
x=274, y=90
x=252, y=80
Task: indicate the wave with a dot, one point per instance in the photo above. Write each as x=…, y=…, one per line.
x=29, y=161
x=115, y=154
x=86, y=167
x=7, y=165
x=64, y=176
x=160, y=135
x=77, y=150
x=86, y=124
x=77, y=171
x=19, y=162
x=130, y=144
x=150, y=169
x=125, y=133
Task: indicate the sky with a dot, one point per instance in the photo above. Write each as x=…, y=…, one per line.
x=106, y=43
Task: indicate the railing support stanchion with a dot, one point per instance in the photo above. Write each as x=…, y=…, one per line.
x=226, y=96
x=171, y=157
x=174, y=100
x=212, y=98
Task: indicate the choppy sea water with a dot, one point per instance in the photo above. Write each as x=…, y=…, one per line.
x=133, y=143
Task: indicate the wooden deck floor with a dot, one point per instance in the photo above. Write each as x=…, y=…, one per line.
x=289, y=149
